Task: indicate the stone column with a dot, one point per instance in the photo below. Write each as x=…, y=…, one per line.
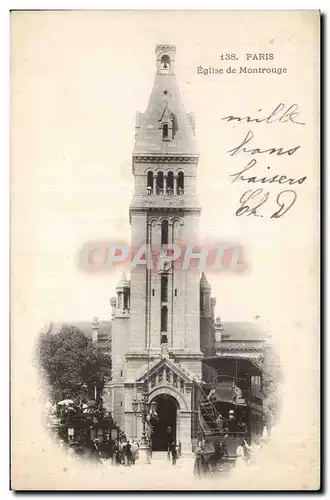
x=154, y=184
x=129, y=427
x=175, y=184
x=165, y=184
x=185, y=432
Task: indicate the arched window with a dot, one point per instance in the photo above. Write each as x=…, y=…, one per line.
x=180, y=183
x=170, y=183
x=160, y=183
x=165, y=61
x=164, y=319
x=164, y=232
x=150, y=179
x=165, y=131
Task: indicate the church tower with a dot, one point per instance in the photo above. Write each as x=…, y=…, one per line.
x=162, y=344
x=164, y=210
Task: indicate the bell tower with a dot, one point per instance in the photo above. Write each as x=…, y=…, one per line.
x=165, y=59
x=164, y=308
x=156, y=341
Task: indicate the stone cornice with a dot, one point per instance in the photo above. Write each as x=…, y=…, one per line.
x=184, y=209
x=142, y=354
x=165, y=159
x=239, y=348
x=185, y=355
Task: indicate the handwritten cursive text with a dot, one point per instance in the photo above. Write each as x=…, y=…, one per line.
x=281, y=113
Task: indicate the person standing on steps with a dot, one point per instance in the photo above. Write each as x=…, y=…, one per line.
x=174, y=453
x=169, y=442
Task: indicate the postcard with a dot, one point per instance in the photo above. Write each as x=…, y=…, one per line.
x=165, y=186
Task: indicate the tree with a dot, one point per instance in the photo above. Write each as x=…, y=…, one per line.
x=72, y=365
x=270, y=365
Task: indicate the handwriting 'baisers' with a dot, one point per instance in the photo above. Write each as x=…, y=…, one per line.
x=251, y=172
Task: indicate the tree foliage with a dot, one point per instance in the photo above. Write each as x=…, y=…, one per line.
x=73, y=365
x=270, y=365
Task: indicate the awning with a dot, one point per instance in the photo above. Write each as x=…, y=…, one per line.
x=233, y=366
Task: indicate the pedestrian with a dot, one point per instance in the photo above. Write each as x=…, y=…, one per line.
x=134, y=449
x=114, y=456
x=126, y=452
x=240, y=456
x=223, y=448
x=232, y=422
x=169, y=442
x=121, y=451
x=62, y=445
x=251, y=451
x=220, y=422
x=174, y=453
x=179, y=449
x=117, y=456
x=96, y=450
x=199, y=465
x=169, y=451
x=108, y=448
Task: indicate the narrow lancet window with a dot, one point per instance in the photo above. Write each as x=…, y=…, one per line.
x=180, y=183
x=170, y=183
x=164, y=232
x=150, y=178
x=164, y=287
x=165, y=131
x=160, y=183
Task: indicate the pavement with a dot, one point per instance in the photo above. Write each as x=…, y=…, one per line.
x=159, y=474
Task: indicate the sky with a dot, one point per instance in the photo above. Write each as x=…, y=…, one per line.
x=77, y=82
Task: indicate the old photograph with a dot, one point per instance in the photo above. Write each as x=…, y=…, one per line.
x=165, y=186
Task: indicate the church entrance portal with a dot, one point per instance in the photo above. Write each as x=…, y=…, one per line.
x=165, y=428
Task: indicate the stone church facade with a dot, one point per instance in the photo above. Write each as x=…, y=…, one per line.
x=162, y=319
x=156, y=314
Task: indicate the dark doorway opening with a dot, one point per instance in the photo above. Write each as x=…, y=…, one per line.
x=165, y=428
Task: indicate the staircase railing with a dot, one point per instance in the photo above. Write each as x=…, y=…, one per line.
x=207, y=409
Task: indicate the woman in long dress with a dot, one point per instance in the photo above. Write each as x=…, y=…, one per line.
x=240, y=457
x=252, y=450
x=199, y=465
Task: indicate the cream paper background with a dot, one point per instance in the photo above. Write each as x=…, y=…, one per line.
x=77, y=79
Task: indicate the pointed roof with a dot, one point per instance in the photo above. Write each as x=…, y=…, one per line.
x=165, y=105
x=204, y=283
x=123, y=282
x=241, y=331
x=177, y=369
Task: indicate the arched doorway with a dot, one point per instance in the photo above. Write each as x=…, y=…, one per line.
x=165, y=429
